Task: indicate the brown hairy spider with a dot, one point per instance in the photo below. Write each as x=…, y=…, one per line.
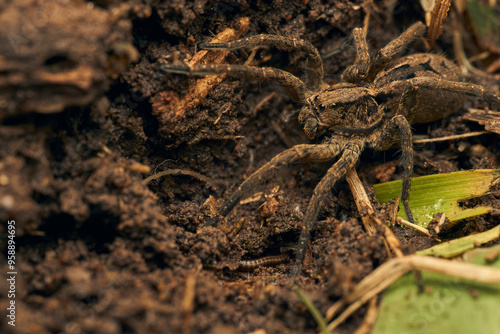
x=373, y=107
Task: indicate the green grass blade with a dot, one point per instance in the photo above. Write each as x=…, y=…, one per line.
x=441, y=193
x=312, y=309
x=458, y=246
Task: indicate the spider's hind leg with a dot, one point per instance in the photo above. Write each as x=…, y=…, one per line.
x=464, y=88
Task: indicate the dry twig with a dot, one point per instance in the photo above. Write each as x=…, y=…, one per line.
x=453, y=137
x=369, y=319
x=414, y=226
x=369, y=220
x=438, y=14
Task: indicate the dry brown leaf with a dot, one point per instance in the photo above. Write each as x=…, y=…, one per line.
x=169, y=107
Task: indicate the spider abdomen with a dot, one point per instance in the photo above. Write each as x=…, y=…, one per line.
x=426, y=104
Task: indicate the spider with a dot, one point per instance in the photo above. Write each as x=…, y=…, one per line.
x=373, y=107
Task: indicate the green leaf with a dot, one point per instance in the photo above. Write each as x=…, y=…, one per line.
x=440, y=304
x=458, y=246
x=441, y=193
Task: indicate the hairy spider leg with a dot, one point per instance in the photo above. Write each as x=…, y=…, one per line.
x=388, y=52
x=359, y=70
x=362, y=69
x=293, y=86
x=309, y=152
x=465, y=88
x=406, y=162
x=400, y=125
x=314, y=64
x=350, y=156
x=401, y=121
x=406, y=103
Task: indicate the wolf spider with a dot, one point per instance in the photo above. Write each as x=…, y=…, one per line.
x=373, y=106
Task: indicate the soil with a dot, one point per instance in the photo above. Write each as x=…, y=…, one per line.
x=87, y=116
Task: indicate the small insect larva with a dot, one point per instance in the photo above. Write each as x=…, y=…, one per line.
x=272, y=260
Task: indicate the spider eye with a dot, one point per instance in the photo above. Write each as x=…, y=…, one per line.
x=322, y=107
x=332, y=105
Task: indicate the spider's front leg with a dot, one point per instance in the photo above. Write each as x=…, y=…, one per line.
x=350, y=156
x=362, y=69
x=309, y=152
x=388, y=52
x=359, y=70
x=293, y=86
x=314, y=65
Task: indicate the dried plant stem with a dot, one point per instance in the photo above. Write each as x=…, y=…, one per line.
x=454, y=137
x=393, y=269
x=369, y=319
x=438, y=14
x=464, y=63
x=362, y=201
x=415, y=226
x=367, y=213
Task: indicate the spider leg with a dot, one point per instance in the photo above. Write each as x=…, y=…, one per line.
x=386, y=54
x=309, y=152
x=293, y=86
x=314, y=65
x=384, y=140
x=359, y=70
x=465, y=88
x=350, y=156
x=406, y=162
x=433, y=98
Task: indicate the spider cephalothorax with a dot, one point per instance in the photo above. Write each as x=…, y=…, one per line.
x=373, y=106
x=342, y=106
